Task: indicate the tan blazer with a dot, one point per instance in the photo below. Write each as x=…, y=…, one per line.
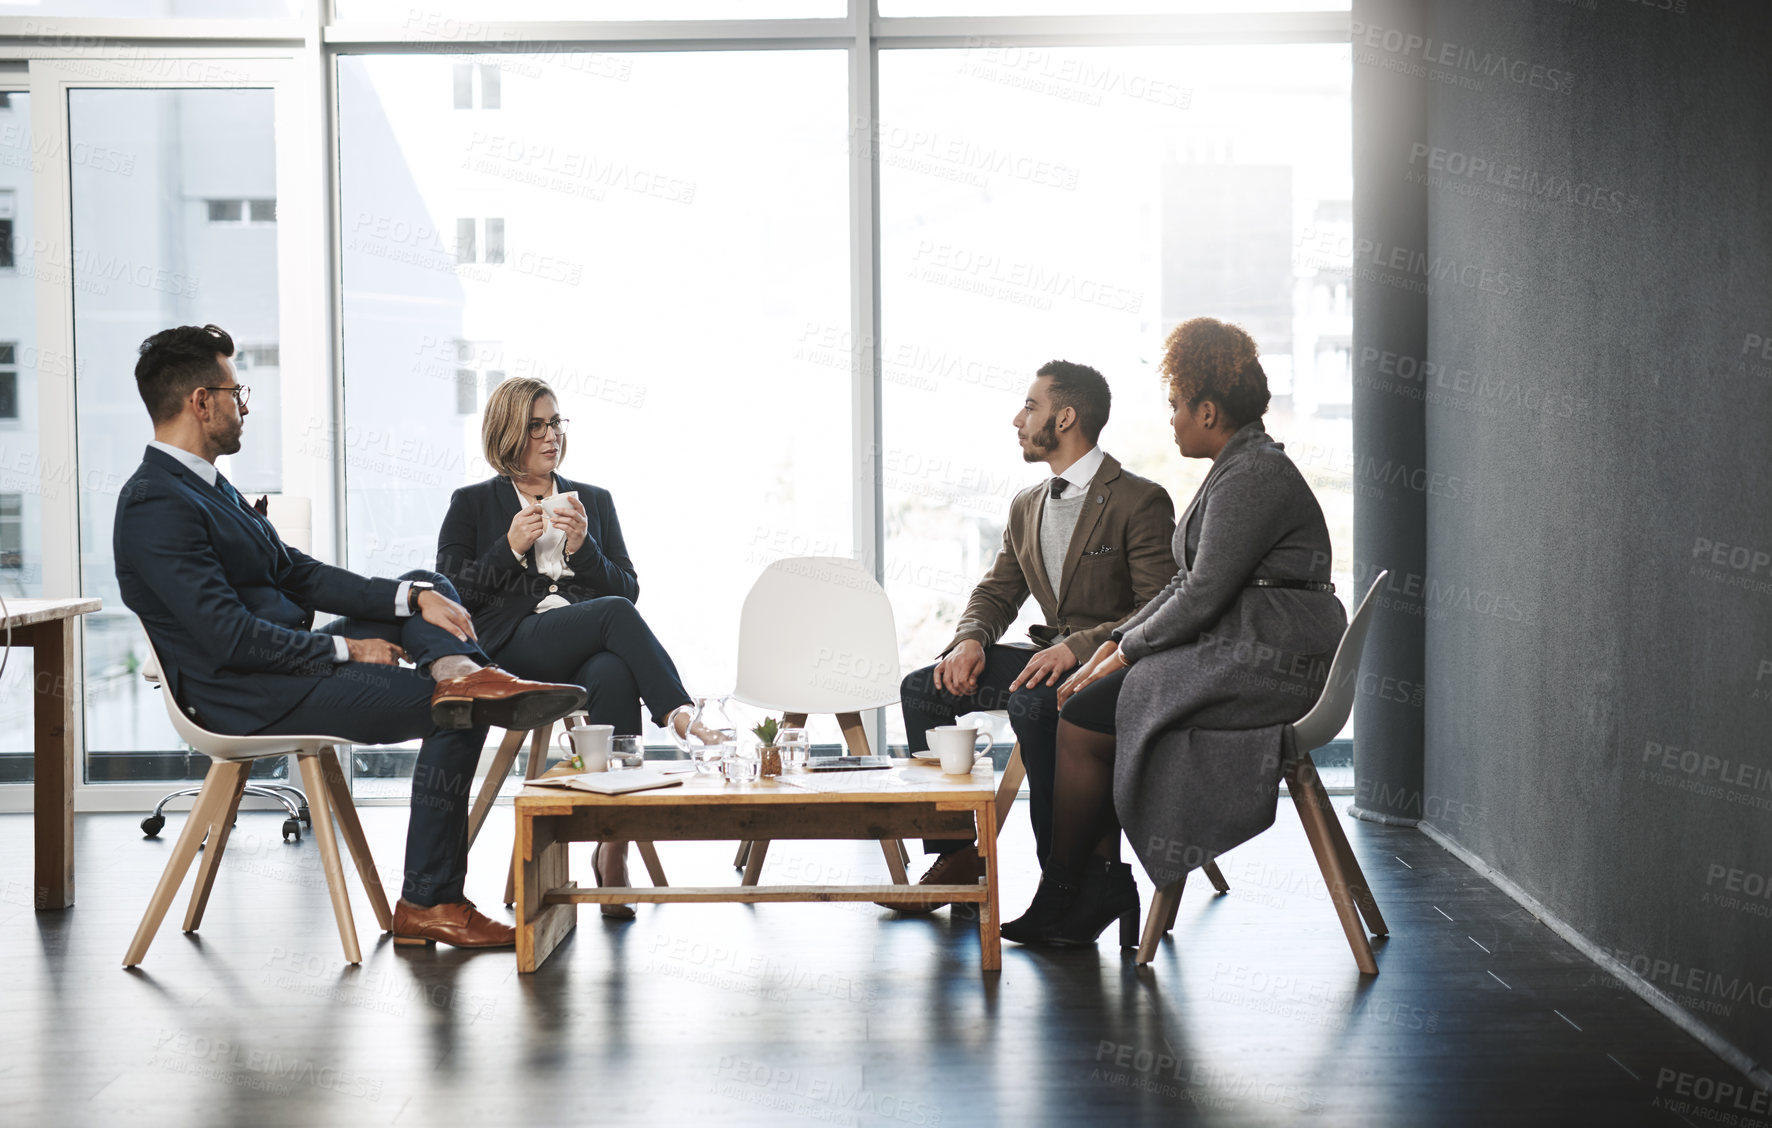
x=1119, y=558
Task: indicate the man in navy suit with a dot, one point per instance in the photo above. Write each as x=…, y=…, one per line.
x=230, y=607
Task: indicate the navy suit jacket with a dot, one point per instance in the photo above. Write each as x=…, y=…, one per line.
x=226, y=603
x=500, y=590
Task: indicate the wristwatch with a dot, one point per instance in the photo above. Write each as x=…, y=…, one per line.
x=413, y=592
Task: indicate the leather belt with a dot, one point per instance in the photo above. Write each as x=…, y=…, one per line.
x=1301, y=585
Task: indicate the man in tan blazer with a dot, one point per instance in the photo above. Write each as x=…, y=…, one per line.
x=1092, y=546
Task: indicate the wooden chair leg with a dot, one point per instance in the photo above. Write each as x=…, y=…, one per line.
x=539, y=740
x=1216, y=878
x=219, y=829
x=743, y=855
x=1218, y=883
x=1156, y=921
x=1362, y=892
x=655, y=871
x=218, y=784
x=320, y=807
x=855, y=735
x=496, y=774
x=344, y=812
x=1308, y=797
x=753, y=868
x=894, y=863
x=1014, y=772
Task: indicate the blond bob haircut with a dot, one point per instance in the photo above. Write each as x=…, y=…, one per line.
x=504, y=428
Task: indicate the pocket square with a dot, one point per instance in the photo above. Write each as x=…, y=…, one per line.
x=1102, y=551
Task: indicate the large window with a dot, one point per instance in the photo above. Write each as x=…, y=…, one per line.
x=148, y=255
x=1041, y=204
x=21, y=482
x=658, y=240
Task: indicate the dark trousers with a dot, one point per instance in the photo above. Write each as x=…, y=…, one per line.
x=371, y=704
x=1033, y=714
x=606, y=647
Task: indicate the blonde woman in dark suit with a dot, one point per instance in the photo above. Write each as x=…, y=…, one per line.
x=550, y=583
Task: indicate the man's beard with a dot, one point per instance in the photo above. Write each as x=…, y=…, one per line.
x=228, y=440
x=1041, y=443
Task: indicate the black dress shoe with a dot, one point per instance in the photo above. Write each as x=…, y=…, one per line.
x=1070, y=913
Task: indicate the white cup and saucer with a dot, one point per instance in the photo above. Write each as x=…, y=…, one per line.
x=955, y=748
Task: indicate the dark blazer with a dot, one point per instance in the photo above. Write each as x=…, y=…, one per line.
x=501, y=590
x=226, y=603
x=1118, y=558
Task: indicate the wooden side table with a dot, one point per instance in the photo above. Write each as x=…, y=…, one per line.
x=47, y=627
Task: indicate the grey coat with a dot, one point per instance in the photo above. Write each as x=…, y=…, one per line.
x=1219, y=670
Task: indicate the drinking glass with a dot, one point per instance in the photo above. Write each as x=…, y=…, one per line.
x=741, y=765
x=625, y=753
x=795, y=749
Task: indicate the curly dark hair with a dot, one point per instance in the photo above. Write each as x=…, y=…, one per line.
x=1208, y=359
x=175, y=361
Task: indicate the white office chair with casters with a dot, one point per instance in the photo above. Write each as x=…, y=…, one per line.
x=1341, y=871
x=212, y=815
x=816, y=635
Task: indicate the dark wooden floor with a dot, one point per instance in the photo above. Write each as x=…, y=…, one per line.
x=800, y=1014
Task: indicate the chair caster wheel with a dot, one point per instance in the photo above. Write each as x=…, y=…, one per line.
x=304, y=816
x=152, y=825
x=292, y=830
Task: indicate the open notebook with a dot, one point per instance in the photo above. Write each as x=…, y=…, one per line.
x=610, y=783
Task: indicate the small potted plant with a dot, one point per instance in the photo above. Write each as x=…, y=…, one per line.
x=768, y=753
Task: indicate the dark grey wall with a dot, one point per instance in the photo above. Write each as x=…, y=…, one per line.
x=1599, y=606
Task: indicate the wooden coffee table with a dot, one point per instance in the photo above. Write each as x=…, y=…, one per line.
x=911, y=800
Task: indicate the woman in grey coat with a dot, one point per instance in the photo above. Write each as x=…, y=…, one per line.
x=1176, y=728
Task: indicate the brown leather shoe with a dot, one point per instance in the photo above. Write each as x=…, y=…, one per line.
x=459, y=925
x=489, y=696
x=962, y=867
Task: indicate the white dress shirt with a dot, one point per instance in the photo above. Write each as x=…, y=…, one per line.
x=1081, y=473
x=205, y=469
x=550, y=555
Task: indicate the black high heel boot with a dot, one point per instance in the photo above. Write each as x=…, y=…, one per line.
x=1066, y=914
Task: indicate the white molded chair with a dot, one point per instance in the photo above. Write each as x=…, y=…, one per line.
x=1341, y=871
x=816, y=635
x=213, y=815
x=293, y=517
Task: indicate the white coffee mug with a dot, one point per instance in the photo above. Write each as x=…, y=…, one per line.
x=957, y=747
x=590, y=743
